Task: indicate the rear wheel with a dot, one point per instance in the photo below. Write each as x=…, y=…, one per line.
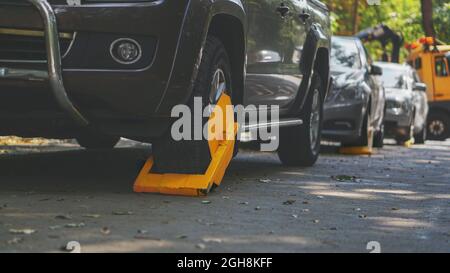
x=300, y=145
x=97, y=141
x=213, y=79
x=438, y=126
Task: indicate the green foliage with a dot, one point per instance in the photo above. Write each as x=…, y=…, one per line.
x=403, y=16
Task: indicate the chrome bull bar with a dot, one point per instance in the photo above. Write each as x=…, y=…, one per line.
x=54, y=73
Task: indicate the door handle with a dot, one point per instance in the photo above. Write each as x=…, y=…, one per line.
x=283, y=10
x=304, y=16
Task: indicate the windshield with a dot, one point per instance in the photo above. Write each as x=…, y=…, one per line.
x=393, y=78
x=344, y=54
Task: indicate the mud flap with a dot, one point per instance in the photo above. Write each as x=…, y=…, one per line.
x=221, y=148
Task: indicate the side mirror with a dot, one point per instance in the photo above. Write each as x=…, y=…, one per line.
x=376, y=70
x=420, y=86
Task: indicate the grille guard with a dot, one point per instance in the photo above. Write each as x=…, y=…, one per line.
x=54, y=73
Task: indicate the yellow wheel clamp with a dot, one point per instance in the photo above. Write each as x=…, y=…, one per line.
x=221, y=148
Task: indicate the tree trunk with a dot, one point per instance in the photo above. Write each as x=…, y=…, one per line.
x=355, y=17
x=427, y=18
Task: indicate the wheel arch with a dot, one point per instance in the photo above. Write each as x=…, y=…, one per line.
x=229, y=29
x=315, y=57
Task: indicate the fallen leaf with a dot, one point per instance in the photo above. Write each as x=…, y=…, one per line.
x=95, y=216
x=105, y=231
x=122, y=213
x=63, y=217
x=15, y=240
x=344, y=178
x=206, y=202
x=55, y=227
x=265, y=181
x=212, y=240
x=146, y=237
x=289, y=202
x=200, y=246
x=75, y=225
x=25, y=231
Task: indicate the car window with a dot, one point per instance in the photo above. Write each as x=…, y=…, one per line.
x=394, y=78
x=441, y=67
x=345, y=54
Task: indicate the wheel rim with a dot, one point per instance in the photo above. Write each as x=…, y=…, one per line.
x=218, y=85
x=437, y=127
x=314, y=120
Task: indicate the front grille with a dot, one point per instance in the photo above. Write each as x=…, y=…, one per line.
x=27, y=47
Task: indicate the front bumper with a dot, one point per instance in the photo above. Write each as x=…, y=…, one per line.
x=54, y=72
x=401, y=117
x=342, y=122
x=93, y=90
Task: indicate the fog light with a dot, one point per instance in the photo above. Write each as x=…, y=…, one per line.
x=126, y=51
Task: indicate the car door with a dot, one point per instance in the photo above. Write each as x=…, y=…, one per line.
x=441, y=79
x=294, y=37
x=271, y=50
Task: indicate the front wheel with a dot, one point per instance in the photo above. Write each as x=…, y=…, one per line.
x=378, y=139
x=300, y=146
x=421, y=137
x=364, y=138
x=409, y=134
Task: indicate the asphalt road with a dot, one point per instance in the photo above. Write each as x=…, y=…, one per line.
x=59, y=193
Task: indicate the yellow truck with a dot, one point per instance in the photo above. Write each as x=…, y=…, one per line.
x=432, y=64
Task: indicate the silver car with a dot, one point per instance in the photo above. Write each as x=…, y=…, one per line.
x=406, y=103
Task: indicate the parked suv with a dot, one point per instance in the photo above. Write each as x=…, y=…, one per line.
x=99, y=70
x=356, y=103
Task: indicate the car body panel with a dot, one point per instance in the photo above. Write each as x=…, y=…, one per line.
x=405, y=106
x=136, y=101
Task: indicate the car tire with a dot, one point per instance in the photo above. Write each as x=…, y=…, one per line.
x=438, y=126
x=193, y=156
x=300, y=145
x=363, y=139
x=378, y=139
x=421, y=137
x=97, y=141
x=401, y=139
